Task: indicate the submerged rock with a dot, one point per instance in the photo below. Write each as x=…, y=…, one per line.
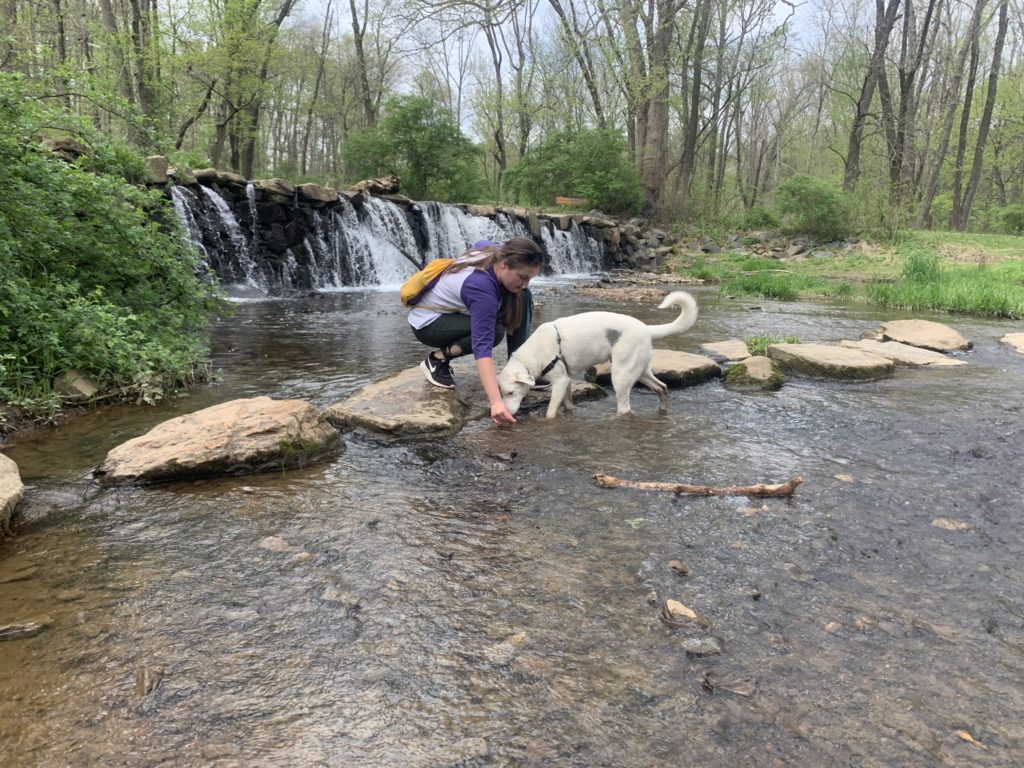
x=676, y=369
x=823, y=361
x=700, y=647
x=238, y=437
x=11, y=491
x=22, y=631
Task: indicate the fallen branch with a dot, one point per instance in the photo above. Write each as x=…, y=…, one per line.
x=761, y=489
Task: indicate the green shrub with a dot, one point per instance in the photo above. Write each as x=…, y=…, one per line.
x=94, y=273
x=760, y=217
x=417, y=140
x=590, y=164
x=1012, y=218
x=814, y=207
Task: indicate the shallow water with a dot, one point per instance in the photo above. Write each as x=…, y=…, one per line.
x=478, y=601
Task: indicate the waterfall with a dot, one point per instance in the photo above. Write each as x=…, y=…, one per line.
x=183, y=201
x=253, y=242
x=231, y=257
x=573, y=252
x=450, y=230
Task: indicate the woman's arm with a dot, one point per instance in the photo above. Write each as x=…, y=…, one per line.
x=489, y=378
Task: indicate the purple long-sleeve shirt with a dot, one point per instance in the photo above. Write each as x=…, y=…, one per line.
x=472, y=292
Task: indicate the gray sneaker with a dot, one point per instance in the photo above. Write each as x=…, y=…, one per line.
x=438, y=372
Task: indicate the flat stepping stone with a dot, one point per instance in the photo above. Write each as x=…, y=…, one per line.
x=727, y=351
x=1015, y=340
x=256, y=434
x=404, y=405
x=902, y=354
x=676, y=369
x=926, y=334
x=824, y=361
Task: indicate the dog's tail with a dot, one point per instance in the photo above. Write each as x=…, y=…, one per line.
x=687, y=315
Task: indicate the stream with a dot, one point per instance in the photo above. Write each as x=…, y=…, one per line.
x=479, y=601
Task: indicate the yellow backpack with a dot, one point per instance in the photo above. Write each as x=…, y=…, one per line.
x=412, y=290
x=416, y=287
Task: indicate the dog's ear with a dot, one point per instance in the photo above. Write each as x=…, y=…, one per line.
x=522, y=377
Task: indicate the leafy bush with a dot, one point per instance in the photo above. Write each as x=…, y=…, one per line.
x=591, y=164
x=759, y=217
x=814, y=207
x=94, y=275
x=1012, y=217
x=420, y=143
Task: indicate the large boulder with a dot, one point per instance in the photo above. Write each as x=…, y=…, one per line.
x=11, y=491
x=404, y=405
x=924, y=333
x=824, y=361
x=238, y=437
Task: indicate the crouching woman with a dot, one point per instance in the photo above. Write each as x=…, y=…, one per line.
x=479, y=299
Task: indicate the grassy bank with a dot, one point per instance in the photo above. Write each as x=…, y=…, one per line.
x=941, y=271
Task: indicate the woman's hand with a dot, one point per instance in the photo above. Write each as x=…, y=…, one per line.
x=500, y=415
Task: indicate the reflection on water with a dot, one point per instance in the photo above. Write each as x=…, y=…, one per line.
x=479, y=601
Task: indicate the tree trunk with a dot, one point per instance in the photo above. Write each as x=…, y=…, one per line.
x=117, y=60
x=885, y=17
x=325, y=41
x=986, y=115
x=362, y=74
x=251, y=123
x=955, y=216
x=952, y=99
x=698, y=36
x=581, y=52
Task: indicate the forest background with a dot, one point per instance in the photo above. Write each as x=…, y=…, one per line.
x=834, y=117
x=688, y=110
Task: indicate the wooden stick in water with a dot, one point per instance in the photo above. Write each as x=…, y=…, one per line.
x=760, y=489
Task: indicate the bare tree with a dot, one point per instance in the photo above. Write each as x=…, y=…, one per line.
x=963, y=215
x=885, y=18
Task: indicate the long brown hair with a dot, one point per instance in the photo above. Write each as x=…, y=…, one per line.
x=517, y=252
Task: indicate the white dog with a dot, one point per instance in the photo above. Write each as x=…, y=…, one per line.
x=569, y=346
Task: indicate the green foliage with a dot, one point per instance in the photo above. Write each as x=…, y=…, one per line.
x=921, y=265
x=993, y=290
x=758, y=345
x=591, y=164
x=1012, y=218
x=814, y=207
x=774, y=284
x=89, y=280
x=759, y=217
x=419, y=142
